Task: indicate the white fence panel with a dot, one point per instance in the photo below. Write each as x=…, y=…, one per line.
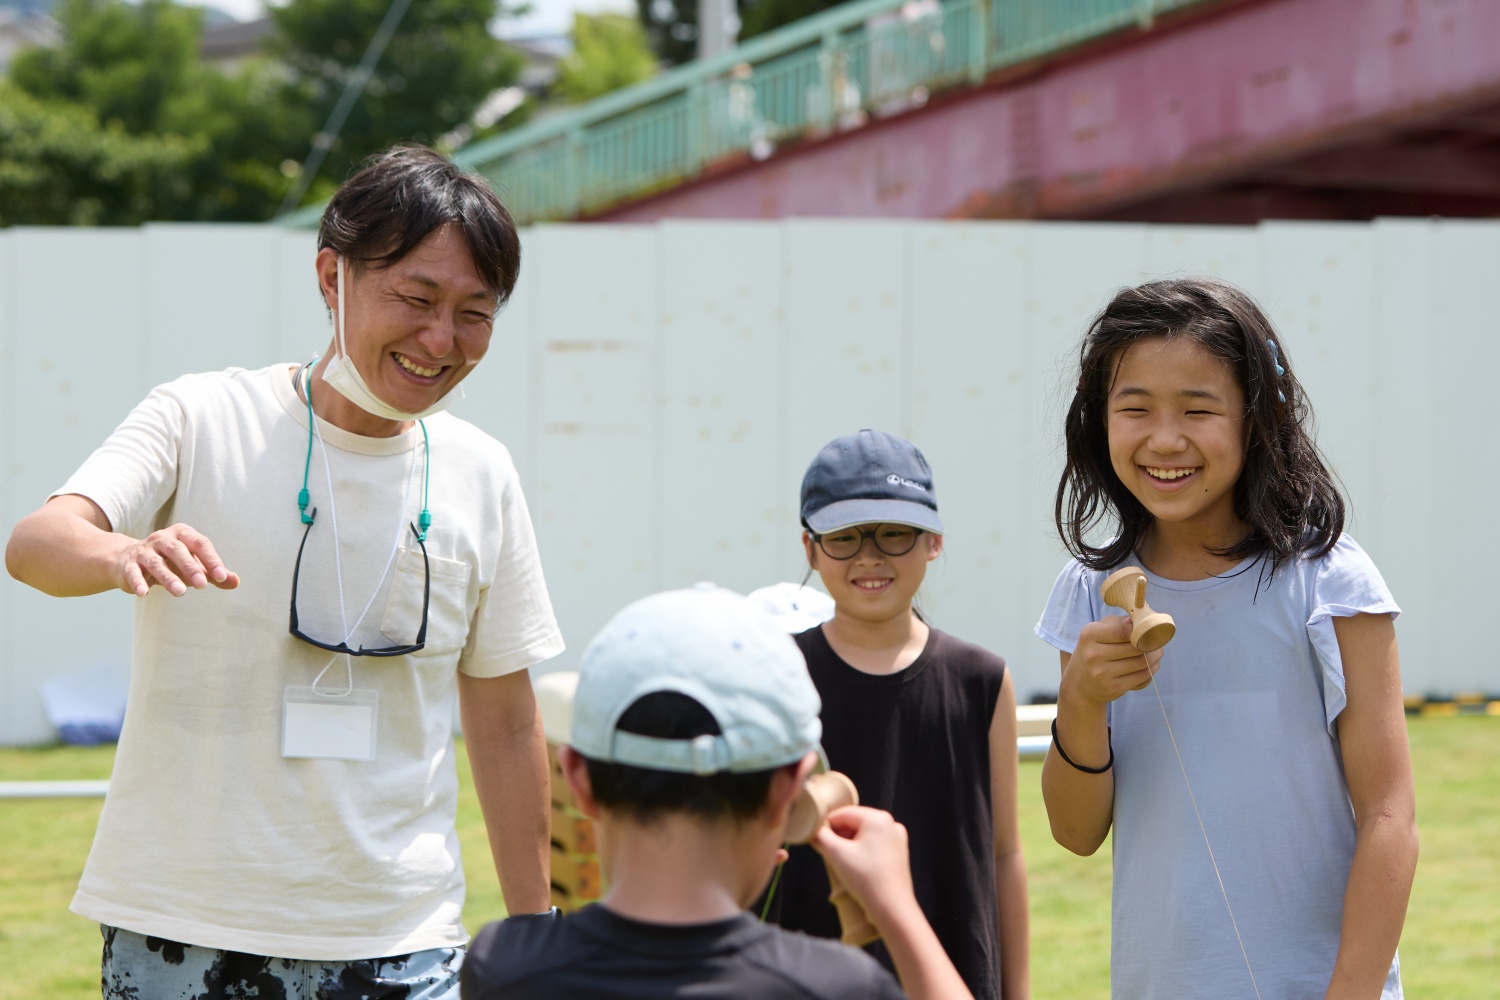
x=593, y=501
x=1456, y=492
x=846, y=349
x=76, y=300
x=1322, y=302
x=209, y=302
x=300, y=323
x=720, y=496
x=10, y=695
x=974, y=397
x=1234, y=253
x=1407, y=537
x=663, y=388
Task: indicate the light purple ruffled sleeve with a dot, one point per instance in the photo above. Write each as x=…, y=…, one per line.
x=1346, y=583
x=1071, y=606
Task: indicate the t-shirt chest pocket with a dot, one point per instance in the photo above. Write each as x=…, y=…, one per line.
x=448, y=604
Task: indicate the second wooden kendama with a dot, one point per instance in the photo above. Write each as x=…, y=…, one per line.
x=822, y=794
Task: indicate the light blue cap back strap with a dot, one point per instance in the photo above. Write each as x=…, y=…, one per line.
x=702, y=755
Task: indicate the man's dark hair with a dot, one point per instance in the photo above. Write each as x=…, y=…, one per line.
x=381, y=213
x=1285, y=492
x=643, y=794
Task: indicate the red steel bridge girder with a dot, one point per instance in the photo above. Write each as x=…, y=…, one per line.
x=1254, y=109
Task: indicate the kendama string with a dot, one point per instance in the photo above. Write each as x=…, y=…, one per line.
x=1204, y=830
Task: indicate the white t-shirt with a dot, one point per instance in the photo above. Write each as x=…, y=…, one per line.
x=1252, y=682
x=209, y=836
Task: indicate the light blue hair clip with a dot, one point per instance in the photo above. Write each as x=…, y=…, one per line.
x=1280, y=371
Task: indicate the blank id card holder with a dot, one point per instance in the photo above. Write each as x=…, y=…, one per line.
x=320, y=725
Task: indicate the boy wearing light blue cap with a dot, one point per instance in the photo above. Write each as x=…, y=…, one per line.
x=694, y=728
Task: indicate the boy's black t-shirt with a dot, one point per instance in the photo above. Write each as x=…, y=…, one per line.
x=915, y=743
x=595, y=954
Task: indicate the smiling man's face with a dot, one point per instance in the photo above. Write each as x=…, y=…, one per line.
x=414, y=329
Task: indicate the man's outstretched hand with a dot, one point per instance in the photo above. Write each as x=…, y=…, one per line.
x=175, y=558
x=68, y=548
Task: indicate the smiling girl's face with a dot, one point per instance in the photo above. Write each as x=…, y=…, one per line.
x=1177, y=438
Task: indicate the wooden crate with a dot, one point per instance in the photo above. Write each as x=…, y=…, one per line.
x=576, y=877
x=573, y=833
x=562, y=796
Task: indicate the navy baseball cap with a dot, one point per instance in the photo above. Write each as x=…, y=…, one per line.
x=869, y=478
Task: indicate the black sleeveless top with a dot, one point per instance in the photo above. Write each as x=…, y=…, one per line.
x=915, y=743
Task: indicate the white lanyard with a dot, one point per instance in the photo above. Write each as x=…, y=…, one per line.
x=338, y=566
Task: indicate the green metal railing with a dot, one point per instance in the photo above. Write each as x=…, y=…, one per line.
x=819, y=75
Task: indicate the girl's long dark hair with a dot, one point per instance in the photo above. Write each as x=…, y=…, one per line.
x=1285, y=492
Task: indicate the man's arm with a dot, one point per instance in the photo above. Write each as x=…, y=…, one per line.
x=508, y=756
x=1010, y=861
x=868, y=851
x=1377, y=765
x=68, y=549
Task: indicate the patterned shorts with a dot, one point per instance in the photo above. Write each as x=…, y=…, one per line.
x=137, y=967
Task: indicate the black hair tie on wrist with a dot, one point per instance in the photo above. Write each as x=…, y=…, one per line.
x=1086, y=770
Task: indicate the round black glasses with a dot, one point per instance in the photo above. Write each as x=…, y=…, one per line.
x=343, y=647
x=890, y=539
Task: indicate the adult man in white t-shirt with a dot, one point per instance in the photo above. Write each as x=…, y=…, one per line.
x=280, y=819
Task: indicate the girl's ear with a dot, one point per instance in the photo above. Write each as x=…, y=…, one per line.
x=935, y=546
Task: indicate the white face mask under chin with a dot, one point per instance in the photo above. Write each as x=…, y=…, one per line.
x=342, y=374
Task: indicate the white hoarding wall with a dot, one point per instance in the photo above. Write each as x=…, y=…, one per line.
x=663, y=387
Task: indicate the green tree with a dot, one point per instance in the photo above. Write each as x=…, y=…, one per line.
x=609, y=52
x=253, y=127
x=146, y=130
x=60, y=166
x=440, y=65
x=672, y=28
x=672, y=25
x=124, y=61
x=149, y=132
x=759, y=16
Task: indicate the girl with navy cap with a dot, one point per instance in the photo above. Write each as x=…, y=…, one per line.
x=924, y=723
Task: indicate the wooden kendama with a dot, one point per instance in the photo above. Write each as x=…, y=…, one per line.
x=1126, y=589
x=822, y=794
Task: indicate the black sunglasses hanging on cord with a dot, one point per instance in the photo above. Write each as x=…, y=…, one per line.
x=418, y=530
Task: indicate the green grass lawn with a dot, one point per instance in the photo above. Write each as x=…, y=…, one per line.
x=1450, y=948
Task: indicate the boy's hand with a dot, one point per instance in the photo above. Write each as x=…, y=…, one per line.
x=1104, y=664
x=867, y=850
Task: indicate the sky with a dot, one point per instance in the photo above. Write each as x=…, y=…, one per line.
x=548, y=17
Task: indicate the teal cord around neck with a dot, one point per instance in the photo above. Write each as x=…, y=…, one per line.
x=303, y=497
x=424, y=519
